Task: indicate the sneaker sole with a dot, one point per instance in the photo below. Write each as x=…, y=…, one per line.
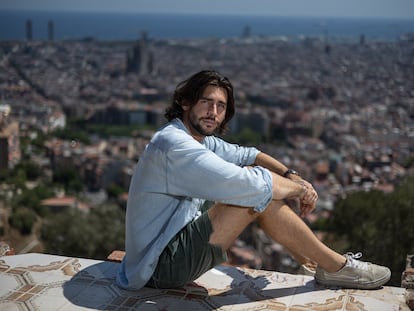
x=346, y=284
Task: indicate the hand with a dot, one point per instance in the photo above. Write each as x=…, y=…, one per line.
x=308, y=201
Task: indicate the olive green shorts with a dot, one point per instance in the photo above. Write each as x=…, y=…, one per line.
x=187, y=256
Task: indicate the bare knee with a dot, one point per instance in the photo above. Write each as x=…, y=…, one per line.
x=228, y=222
x=273, y=205
x=276, y=211
x=221, y=210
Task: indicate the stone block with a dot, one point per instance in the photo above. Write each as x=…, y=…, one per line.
x=116, y=256
x=407, y=281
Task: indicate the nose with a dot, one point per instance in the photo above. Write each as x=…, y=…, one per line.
x=212, y=108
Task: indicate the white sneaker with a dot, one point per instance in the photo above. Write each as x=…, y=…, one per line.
x=355, y=274
x=307, y=270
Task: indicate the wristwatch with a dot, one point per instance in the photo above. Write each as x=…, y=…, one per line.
x=290, y=172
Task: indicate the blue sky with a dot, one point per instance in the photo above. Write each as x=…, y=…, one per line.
x=342, y=8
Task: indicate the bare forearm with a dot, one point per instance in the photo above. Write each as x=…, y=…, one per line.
x=284, y=188
x=270, y=163
x=292, y=187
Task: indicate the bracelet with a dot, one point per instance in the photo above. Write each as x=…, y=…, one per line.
x=304, y=188
x=290, y=171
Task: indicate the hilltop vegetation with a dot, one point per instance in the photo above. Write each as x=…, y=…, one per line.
x=380, y=225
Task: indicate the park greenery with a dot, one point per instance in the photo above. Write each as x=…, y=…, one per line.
x=92, y=235
x=376, y=223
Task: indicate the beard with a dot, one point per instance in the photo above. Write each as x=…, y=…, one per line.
x=196, y=125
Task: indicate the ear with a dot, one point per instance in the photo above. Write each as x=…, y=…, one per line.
x=185, y=106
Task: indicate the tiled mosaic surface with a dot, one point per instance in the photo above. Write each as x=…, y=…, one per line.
x=46, y=282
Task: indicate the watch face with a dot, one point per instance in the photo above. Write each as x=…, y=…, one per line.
x=290, y=172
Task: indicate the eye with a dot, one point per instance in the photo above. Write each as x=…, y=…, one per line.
x=221, y=107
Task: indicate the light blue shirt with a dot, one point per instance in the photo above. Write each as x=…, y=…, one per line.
x=173, y=178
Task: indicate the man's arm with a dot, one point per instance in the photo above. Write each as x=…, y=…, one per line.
x=265, y=160
x=284, y=187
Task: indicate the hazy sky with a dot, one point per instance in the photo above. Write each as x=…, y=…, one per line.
x=343, y=8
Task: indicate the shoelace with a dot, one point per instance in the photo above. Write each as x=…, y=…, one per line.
x=354, y=262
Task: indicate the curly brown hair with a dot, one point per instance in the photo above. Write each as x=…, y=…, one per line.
x=191, y=90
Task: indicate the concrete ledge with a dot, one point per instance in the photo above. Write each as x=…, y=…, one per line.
x=6, y=250
x=407, y=281
x=116, y=256
x=409, y=297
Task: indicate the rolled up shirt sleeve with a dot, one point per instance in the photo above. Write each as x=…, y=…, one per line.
x=196, y=171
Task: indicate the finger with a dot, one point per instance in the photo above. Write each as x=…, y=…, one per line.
x=306, y=209
x=310, y=198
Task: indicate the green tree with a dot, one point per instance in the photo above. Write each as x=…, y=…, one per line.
x=114, y=190
x=69, y=233
x=31, y=170
x=31, y=199
x=379, y=225
x=69, y=178
x=23, y=219
x=92, y=234
x=43, y=191
x=18, y=178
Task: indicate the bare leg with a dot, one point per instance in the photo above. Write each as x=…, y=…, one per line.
x=294, y=204
x=301, y=259
x=281, y=224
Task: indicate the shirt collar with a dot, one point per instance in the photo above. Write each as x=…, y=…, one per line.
x=177, y=122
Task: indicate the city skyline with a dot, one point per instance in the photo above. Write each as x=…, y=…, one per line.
x=400, y=9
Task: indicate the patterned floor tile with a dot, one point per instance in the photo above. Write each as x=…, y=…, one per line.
x=56, y=283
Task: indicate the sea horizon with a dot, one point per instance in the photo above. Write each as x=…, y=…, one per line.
x=130, y=25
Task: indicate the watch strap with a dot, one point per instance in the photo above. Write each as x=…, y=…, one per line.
x=289, y=172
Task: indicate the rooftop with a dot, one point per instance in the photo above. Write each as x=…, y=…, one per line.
x=48, y=282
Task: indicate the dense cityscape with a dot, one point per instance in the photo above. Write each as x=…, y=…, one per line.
x=342, y=114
